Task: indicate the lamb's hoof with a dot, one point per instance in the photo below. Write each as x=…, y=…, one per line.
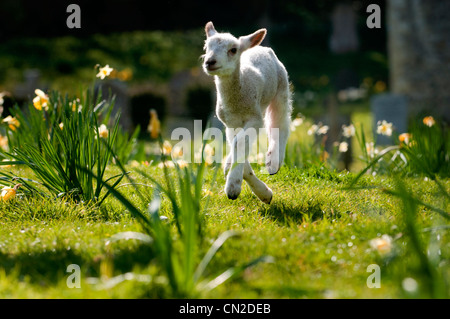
x=272, y=169
x=233, y=190
x=272, y=163
x=266, y=198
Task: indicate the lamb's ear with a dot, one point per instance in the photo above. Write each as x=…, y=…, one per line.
x=209, y=29
x=251, y=40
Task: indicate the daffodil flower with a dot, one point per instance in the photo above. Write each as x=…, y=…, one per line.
x=318, y=129
x=9, y=193
x=383, y=245
x=4, y=143
x=296, y=123
x=103, y=131
x=154, y=126
x=41, y=100
x=429, y=121
x=404, y=138
x=371, y=149
x=348, y=131
x=384, y=128
x=313, y=129
x=177, y=151
x=166, y=148
x=104, y=72
x=182, y=163
x=323, y=130
x=343, y=147
x=12, y=122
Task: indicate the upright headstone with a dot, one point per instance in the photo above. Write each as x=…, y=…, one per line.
x=344, y=37
x=122, y=101
x=419, y=54
x=25, y=91
x=393, y=109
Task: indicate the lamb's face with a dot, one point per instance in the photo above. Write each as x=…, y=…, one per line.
x=222, y=54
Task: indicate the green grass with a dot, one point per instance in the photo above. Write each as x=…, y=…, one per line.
x=317, y=232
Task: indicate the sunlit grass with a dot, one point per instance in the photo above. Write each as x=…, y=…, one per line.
x=318, y=234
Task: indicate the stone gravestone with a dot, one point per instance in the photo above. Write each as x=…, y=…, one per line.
x=25, y=91
x=344, y=37
x=393, y=109
x=118, y=89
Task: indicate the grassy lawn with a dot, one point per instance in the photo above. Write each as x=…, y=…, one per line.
x=317, y=232
x=74, y=223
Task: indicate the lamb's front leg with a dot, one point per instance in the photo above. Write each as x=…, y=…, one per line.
x=241, y=145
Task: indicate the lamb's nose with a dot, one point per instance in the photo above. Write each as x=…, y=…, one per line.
x=210, y=62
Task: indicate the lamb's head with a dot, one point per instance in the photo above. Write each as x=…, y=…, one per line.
x=223, y=51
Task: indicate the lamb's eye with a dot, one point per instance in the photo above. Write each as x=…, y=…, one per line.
x=233, y=50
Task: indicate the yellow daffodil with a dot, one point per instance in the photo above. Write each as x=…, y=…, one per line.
x=371, y=149
x=4, y=143
x=323, y=130
x=313, y=129
x=103, y=131
x=383, y=245
x=12, y=122
x=104, y=72
x=348, y=131
x=182, y=163
x=166, y=148
x=343, y=147
x=9, y=193
x=384, y=128
x=296, y=123
x=154, y=126
x=177, y=151
x=41, y=100
x=318, y=129
x=429, y=121
x=404, y=138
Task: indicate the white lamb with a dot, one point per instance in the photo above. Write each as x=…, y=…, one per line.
x=252, y=92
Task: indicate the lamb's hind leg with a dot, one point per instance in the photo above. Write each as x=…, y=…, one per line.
x=258, y=187
x=278, y=121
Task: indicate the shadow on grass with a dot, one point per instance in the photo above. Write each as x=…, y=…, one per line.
x=48, y=267
x=288, y=214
